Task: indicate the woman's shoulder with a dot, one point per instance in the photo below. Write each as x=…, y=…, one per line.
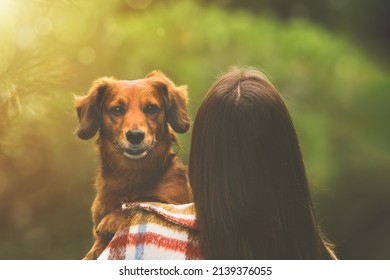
x=181, y=215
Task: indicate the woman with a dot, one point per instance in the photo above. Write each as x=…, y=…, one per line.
x=246, y=171
x=247, y=175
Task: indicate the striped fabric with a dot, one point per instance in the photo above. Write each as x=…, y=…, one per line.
x=156, y=231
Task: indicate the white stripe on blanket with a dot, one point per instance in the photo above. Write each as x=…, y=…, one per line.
x=152, y=252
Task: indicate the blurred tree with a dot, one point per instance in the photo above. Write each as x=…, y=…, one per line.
x=366, y=22
x=29, y=65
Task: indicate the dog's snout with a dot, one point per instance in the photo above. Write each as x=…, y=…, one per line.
x=135, y=137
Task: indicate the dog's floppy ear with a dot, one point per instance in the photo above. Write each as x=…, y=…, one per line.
x=89, y=108
x=175, y=101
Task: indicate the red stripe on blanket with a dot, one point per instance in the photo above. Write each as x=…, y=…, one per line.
x=184, y=222
x=189, y=249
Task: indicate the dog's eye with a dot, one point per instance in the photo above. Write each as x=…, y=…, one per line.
x=151, y=109
x=117, y=111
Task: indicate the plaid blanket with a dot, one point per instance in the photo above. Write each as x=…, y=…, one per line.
x=156, y=231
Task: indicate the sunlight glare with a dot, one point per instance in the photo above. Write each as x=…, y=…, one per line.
x=8, y=9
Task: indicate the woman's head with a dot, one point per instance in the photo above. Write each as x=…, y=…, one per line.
x=247, y=174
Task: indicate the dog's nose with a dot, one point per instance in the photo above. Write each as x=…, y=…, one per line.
x=135, y=137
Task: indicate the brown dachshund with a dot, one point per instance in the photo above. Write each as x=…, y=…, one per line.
x=135, y=121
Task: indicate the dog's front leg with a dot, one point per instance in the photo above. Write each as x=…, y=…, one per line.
x=109, y=225
x=104, y=232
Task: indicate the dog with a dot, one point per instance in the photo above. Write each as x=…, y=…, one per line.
x=135, y=121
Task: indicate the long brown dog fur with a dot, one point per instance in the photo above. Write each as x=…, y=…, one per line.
x=147, y=171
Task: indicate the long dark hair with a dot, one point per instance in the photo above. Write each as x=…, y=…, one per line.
x=247, y=175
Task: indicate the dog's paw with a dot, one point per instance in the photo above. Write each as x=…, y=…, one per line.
x=109, y=225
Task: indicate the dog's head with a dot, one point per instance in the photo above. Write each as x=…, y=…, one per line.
x=133, y=116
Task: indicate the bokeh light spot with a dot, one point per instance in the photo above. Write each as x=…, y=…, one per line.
x=25, y=36
x=86, y=55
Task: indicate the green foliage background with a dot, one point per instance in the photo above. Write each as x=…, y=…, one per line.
x=50, y=50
